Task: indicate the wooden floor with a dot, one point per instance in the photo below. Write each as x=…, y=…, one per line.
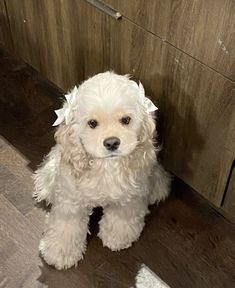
x=185, y=241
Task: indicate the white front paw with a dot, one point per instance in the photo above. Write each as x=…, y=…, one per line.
x=60, y=252
x=119, y=234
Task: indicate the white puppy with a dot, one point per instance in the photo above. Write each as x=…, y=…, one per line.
x=104, y=156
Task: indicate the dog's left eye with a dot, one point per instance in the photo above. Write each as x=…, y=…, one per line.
x=92, y=123
x=125, y=120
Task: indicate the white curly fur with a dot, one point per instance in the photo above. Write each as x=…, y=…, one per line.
x=80, y=173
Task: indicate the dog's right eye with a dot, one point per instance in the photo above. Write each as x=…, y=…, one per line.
x=92, y=123
x=125, y=120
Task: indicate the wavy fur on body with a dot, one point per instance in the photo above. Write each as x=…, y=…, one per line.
x=80, y=173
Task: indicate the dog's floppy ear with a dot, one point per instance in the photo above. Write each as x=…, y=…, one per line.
x=148, y=130
x=66, y=136
x=72, y=150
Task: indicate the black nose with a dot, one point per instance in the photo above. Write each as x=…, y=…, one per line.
x=111, y=143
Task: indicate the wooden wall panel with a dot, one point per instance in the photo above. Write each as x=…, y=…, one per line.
x=5, y=33
x=48, y=35
x=202, y=28
x=195, y=105
x=200, y=104
x=96, y=40
x=65, y=43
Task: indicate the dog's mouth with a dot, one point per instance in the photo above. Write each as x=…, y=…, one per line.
x=112, y=156
x=109, y=157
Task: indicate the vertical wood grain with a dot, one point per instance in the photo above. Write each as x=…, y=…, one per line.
x=195, y=105
x=48, y=36
x=95, y=39
x=5, y=32
x=203, y=29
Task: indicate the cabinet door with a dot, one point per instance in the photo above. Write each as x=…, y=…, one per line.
x=64, y=40
x=195, y=106
x=203, y=29
x=5, y=34
x=48, y=35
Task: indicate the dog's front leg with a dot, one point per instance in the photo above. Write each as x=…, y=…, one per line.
x=121, y=225
x=64, y=240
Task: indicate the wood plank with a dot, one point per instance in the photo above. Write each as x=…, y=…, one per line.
x=15, y=190
x=96, y=38
x=51, y=43
x=200, y=28
x=37, y=217
x=5, y=32
x=16, y=163
x=20, y=265
x=66, y=45
x=200, y=104
x=18, y=243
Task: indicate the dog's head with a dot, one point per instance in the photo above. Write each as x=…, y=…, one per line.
x=107, y=118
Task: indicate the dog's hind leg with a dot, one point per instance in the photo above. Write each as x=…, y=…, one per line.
x=160, y=184
x=44, y=176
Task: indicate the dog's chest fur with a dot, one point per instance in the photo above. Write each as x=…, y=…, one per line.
x=107, y=181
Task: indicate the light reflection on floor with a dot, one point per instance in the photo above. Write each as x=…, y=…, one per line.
x=146, y=278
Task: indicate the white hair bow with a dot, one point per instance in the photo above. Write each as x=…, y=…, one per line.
x=63, y=113
x=146, y=102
